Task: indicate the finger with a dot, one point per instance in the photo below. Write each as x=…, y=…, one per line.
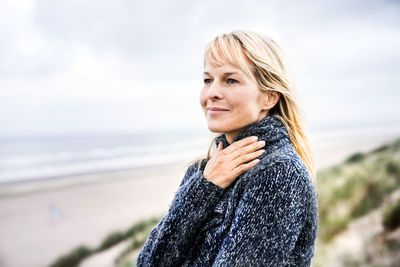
x=245, y=167
x=247, y=149
x=218, y=149
x=247, y=157
x=243, y=142
x=220, y=146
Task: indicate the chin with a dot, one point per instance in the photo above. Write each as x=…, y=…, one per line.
x=218, y=128
x=215, y=128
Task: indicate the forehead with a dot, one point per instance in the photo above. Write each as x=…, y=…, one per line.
x=224, y=67
x=229, y=57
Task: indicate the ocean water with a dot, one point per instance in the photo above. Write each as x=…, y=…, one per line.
x=36, y=157
x=25, y=158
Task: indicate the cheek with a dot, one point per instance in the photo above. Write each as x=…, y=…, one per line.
x=203, y=97
x=242, y=101
x=247, y=104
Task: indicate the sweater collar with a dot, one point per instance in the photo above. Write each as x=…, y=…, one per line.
x=270, y=129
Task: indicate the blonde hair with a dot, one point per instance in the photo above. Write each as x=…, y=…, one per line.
x=269, y=67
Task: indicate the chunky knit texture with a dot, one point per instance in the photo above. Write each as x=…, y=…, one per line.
x=266, y=217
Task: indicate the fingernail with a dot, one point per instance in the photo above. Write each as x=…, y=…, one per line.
x=262, y=151
x=262, y=142
x=254, y=138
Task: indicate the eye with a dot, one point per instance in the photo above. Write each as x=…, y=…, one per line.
x=207, y=81
x=231, y=81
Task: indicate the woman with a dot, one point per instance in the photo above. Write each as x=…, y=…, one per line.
x=253, y=202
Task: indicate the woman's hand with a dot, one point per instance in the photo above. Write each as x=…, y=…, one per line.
x=226, y=165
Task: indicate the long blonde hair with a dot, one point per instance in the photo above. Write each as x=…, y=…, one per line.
x=271, y=70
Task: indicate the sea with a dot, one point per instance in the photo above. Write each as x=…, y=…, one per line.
x=24, y=158
x=27, y=158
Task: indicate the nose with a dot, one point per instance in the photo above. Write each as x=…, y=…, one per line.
x=214, y=91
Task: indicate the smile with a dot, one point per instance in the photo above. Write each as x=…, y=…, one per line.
x=216, y=110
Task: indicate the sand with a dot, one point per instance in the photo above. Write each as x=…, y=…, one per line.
x=38, y=226
x=40, y=221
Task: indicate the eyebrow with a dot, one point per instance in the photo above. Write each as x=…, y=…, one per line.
x=226, y=73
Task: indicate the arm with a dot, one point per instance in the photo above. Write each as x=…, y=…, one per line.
x=268, y=219
x=170, y=240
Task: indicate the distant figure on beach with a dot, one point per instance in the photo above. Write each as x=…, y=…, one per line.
x=252, y=200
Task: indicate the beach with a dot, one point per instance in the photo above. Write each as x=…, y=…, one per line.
x=42, y=220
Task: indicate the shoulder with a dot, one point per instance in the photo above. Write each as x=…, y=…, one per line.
x=282, y=169
x=282, y=185
x=193, y=166
x=192, y=169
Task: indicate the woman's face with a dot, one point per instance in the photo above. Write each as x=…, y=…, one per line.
x=231, y=101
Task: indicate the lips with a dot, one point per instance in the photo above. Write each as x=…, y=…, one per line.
x=215, y=111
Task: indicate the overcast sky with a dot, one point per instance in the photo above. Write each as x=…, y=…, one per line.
x=121, y=66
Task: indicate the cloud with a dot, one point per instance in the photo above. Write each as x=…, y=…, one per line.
x=119, y=65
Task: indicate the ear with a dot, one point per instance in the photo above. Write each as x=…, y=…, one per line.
x=270, y=99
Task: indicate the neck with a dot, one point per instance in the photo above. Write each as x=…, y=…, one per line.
x=232, y=136
x=269, y=129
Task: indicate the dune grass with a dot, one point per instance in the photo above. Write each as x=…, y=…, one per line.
x=73, y=258
x=355, y=187
x=76, y=255
x=391, y=216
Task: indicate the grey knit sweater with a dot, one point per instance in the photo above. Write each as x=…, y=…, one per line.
x=266, y=217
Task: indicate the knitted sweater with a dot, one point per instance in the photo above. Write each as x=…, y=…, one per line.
x=266, y=217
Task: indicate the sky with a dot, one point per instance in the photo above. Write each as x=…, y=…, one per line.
x=77, y=67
